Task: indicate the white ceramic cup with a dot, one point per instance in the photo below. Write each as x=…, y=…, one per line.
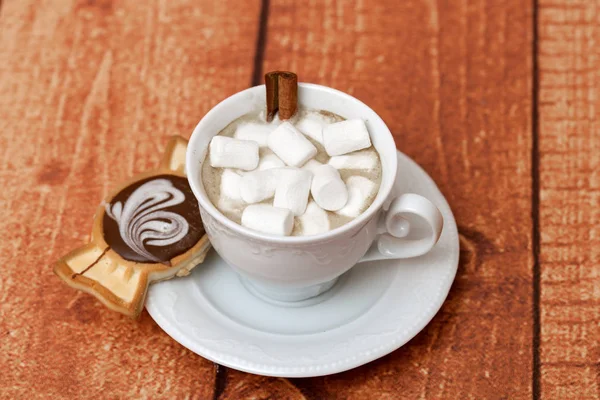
x=294, y=268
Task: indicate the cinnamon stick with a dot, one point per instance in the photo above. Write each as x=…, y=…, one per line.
x=288, y=95
x=271, y=83
x=282, y=94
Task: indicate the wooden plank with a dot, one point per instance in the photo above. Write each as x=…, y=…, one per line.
x=453, y=81
x=89, y=91
x=240, y=385
x=569, y=145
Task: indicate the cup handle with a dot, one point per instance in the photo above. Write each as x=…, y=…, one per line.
x=409, y=228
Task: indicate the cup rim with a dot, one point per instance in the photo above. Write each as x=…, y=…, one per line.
x=206, y=204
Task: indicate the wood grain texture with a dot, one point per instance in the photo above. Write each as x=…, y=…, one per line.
x=241, y=386
x=569, y=144
x=89, y=92
x=453, y=81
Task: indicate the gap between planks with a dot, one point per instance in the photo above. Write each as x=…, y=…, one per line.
x=261, y=43
x=256, y=79
x=535, y=206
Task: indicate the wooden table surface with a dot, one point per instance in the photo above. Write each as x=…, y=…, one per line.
x=497, y=100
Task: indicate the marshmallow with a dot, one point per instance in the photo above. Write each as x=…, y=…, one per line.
x=311, y=128
x=230, y=185
x=314, y=220
x=225, y=204
x=226, y=152
x=327, y=188
x=366, y=160
x=258, y=133
x=289, y=144
x=270, y=161
x=359, y=191
x=345, y=137
x=268, y=219
x=312, y=165
x=230, y=199
x=257, y=186
x=293, y=187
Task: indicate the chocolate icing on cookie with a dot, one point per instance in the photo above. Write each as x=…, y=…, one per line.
x=153, y=220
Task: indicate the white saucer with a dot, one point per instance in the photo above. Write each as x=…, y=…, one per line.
x=371, y=311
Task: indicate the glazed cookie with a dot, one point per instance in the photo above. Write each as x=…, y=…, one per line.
x=147, y=230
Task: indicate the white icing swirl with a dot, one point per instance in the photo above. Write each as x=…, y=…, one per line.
x=143, y=221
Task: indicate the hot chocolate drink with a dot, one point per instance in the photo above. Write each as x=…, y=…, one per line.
x=304, y=176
